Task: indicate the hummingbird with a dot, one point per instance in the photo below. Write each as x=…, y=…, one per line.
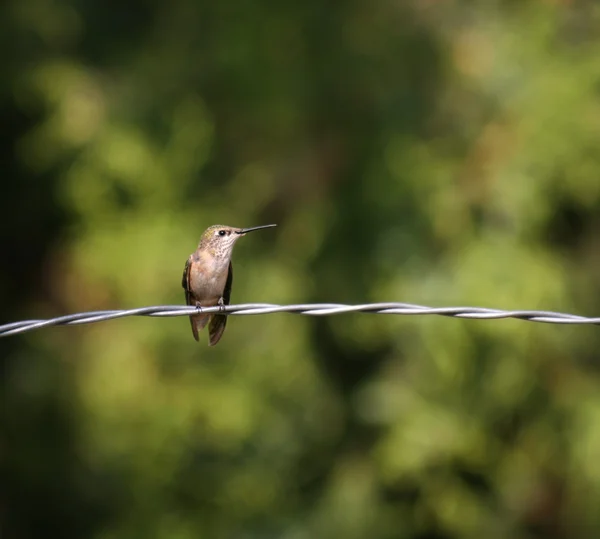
x=208, y=277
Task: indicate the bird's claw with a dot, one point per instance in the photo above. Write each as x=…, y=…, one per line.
x=221, y=304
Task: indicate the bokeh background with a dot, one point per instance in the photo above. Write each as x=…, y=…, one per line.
x=435, y=152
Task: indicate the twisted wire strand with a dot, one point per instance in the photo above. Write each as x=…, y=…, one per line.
x=309, y=309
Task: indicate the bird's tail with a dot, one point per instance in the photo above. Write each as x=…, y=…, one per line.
x=216, y=328
x=198, y=322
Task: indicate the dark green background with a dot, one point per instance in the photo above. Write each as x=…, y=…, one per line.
x=434, y=152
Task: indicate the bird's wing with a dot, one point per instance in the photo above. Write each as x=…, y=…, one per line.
x=185, y=281
x=195, y=321
x=219, y=321
x=228, y=285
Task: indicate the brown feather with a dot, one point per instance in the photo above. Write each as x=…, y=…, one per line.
x=219, y=321
x=195, y=321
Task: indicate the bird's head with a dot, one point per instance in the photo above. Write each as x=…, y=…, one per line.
x=220, y=239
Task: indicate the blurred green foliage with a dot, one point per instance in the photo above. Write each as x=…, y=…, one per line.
x=435, y=152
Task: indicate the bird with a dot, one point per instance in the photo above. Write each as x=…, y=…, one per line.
x=208, y=277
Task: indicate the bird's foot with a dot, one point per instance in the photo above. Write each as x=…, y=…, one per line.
x=198, y=306
x=221, y=304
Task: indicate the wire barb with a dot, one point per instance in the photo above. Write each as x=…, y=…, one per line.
x=309, y=309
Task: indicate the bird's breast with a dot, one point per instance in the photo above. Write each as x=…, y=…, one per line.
x=208, y=276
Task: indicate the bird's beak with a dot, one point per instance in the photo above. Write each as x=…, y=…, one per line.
x=243, y=231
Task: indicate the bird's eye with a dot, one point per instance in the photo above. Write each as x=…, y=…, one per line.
x=221, y=232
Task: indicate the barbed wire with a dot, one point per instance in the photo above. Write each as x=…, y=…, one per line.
x=309, y=309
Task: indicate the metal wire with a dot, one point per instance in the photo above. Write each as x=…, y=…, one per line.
x=310, y=309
